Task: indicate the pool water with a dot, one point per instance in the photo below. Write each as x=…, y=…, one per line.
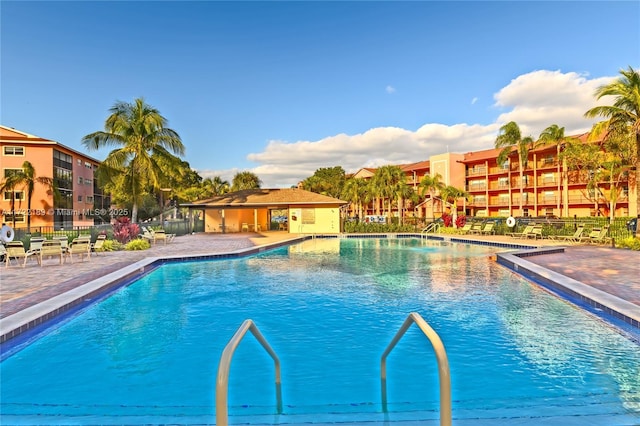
x=329, y=308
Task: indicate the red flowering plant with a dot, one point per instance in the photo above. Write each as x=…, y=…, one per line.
x=460, y=221
x=447, y=219
x=125, y=231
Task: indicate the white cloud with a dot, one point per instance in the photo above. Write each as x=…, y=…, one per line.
x=534, y=100
x=474, y=100
x=390, y=89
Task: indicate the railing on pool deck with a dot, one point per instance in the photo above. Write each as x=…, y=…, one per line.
x=443, y=365
x=222, y=383
x=432, y=227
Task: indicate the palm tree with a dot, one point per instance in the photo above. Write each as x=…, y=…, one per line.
x=554, y=134
x=143, y=137
x=625, y=112
x=245, y=180
x=386, y=181
x=510, y=138
x=219, y=186
x=9, y=184
x=27, y=179
x=451, y=194
x=431, y=185
x=354, y=192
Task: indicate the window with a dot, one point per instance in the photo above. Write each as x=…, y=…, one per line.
x=88, y=182
x=14, y=150
x=548, y=212
x=476, y=185
x=11, y=172
x=79, y=162
x=19, y=218
x=525, y=212
x=87, y=165
x=79, y=197
x=89, y=198
x=548, y=178
x=80, y=180
x=19, y=195
x=503, y=182
x=308, y=216
x=505, y=165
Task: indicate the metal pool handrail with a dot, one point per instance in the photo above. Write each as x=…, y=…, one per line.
x=222, y=383
x=443, y=365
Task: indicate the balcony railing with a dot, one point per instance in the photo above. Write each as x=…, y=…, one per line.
x=477, y=171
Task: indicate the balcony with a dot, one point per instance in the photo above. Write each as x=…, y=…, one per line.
x=547, y=163
x=477, y=171
x=499, y=186
x=498, y=170
x=547, y=182
x=475, y=188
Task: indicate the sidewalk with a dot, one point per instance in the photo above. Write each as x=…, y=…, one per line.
x=614, y=271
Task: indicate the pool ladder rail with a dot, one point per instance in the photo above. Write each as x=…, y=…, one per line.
x=222, y=383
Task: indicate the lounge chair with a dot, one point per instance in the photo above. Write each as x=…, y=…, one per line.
x=15, y=250
x=98, y=246
x=35, y=243
x=81, y=247
x=51, y=248
x=488, y=229
x=597, y=236
x=64, y=242
x=466, y=228
x=527, y=230
x=476, y=229
x=535, y=233
x=159, y=235
x=570, y=238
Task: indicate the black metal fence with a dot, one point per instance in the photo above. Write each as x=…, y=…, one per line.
x=178, y=227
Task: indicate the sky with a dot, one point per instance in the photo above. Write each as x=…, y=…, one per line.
x=282, y=88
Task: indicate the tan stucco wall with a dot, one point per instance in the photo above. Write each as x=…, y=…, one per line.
x=327, y=220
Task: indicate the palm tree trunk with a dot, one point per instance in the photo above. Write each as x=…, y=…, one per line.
x=637, y=183
x=134, y=213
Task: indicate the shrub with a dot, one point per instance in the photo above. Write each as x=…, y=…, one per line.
x=632, y=243
x=137, y=244
x=111, y=245
x=125, y=231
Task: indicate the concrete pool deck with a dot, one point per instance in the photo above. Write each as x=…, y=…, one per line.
x=615, y=272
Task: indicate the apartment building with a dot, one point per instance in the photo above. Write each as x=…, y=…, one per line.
x=547, y=187
x=78, y=197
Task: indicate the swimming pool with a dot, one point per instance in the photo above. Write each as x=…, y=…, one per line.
x=149, y=353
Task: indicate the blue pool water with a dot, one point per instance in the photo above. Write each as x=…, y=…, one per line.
x=329, y=308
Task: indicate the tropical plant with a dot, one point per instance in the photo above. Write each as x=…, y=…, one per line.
x=451, y=195
x=604, y=164
x=554, y=135
x=510, y=139
x=145, y=144
x=245, y=180
x=386, y=182
x=124, y=230
x=139, y=244
x=326, y=181
x=355, y=191
x=26, y=178
x=431, y=186
x=625, y=112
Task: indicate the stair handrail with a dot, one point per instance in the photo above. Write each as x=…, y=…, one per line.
x=222, y=382
x=444, y=375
